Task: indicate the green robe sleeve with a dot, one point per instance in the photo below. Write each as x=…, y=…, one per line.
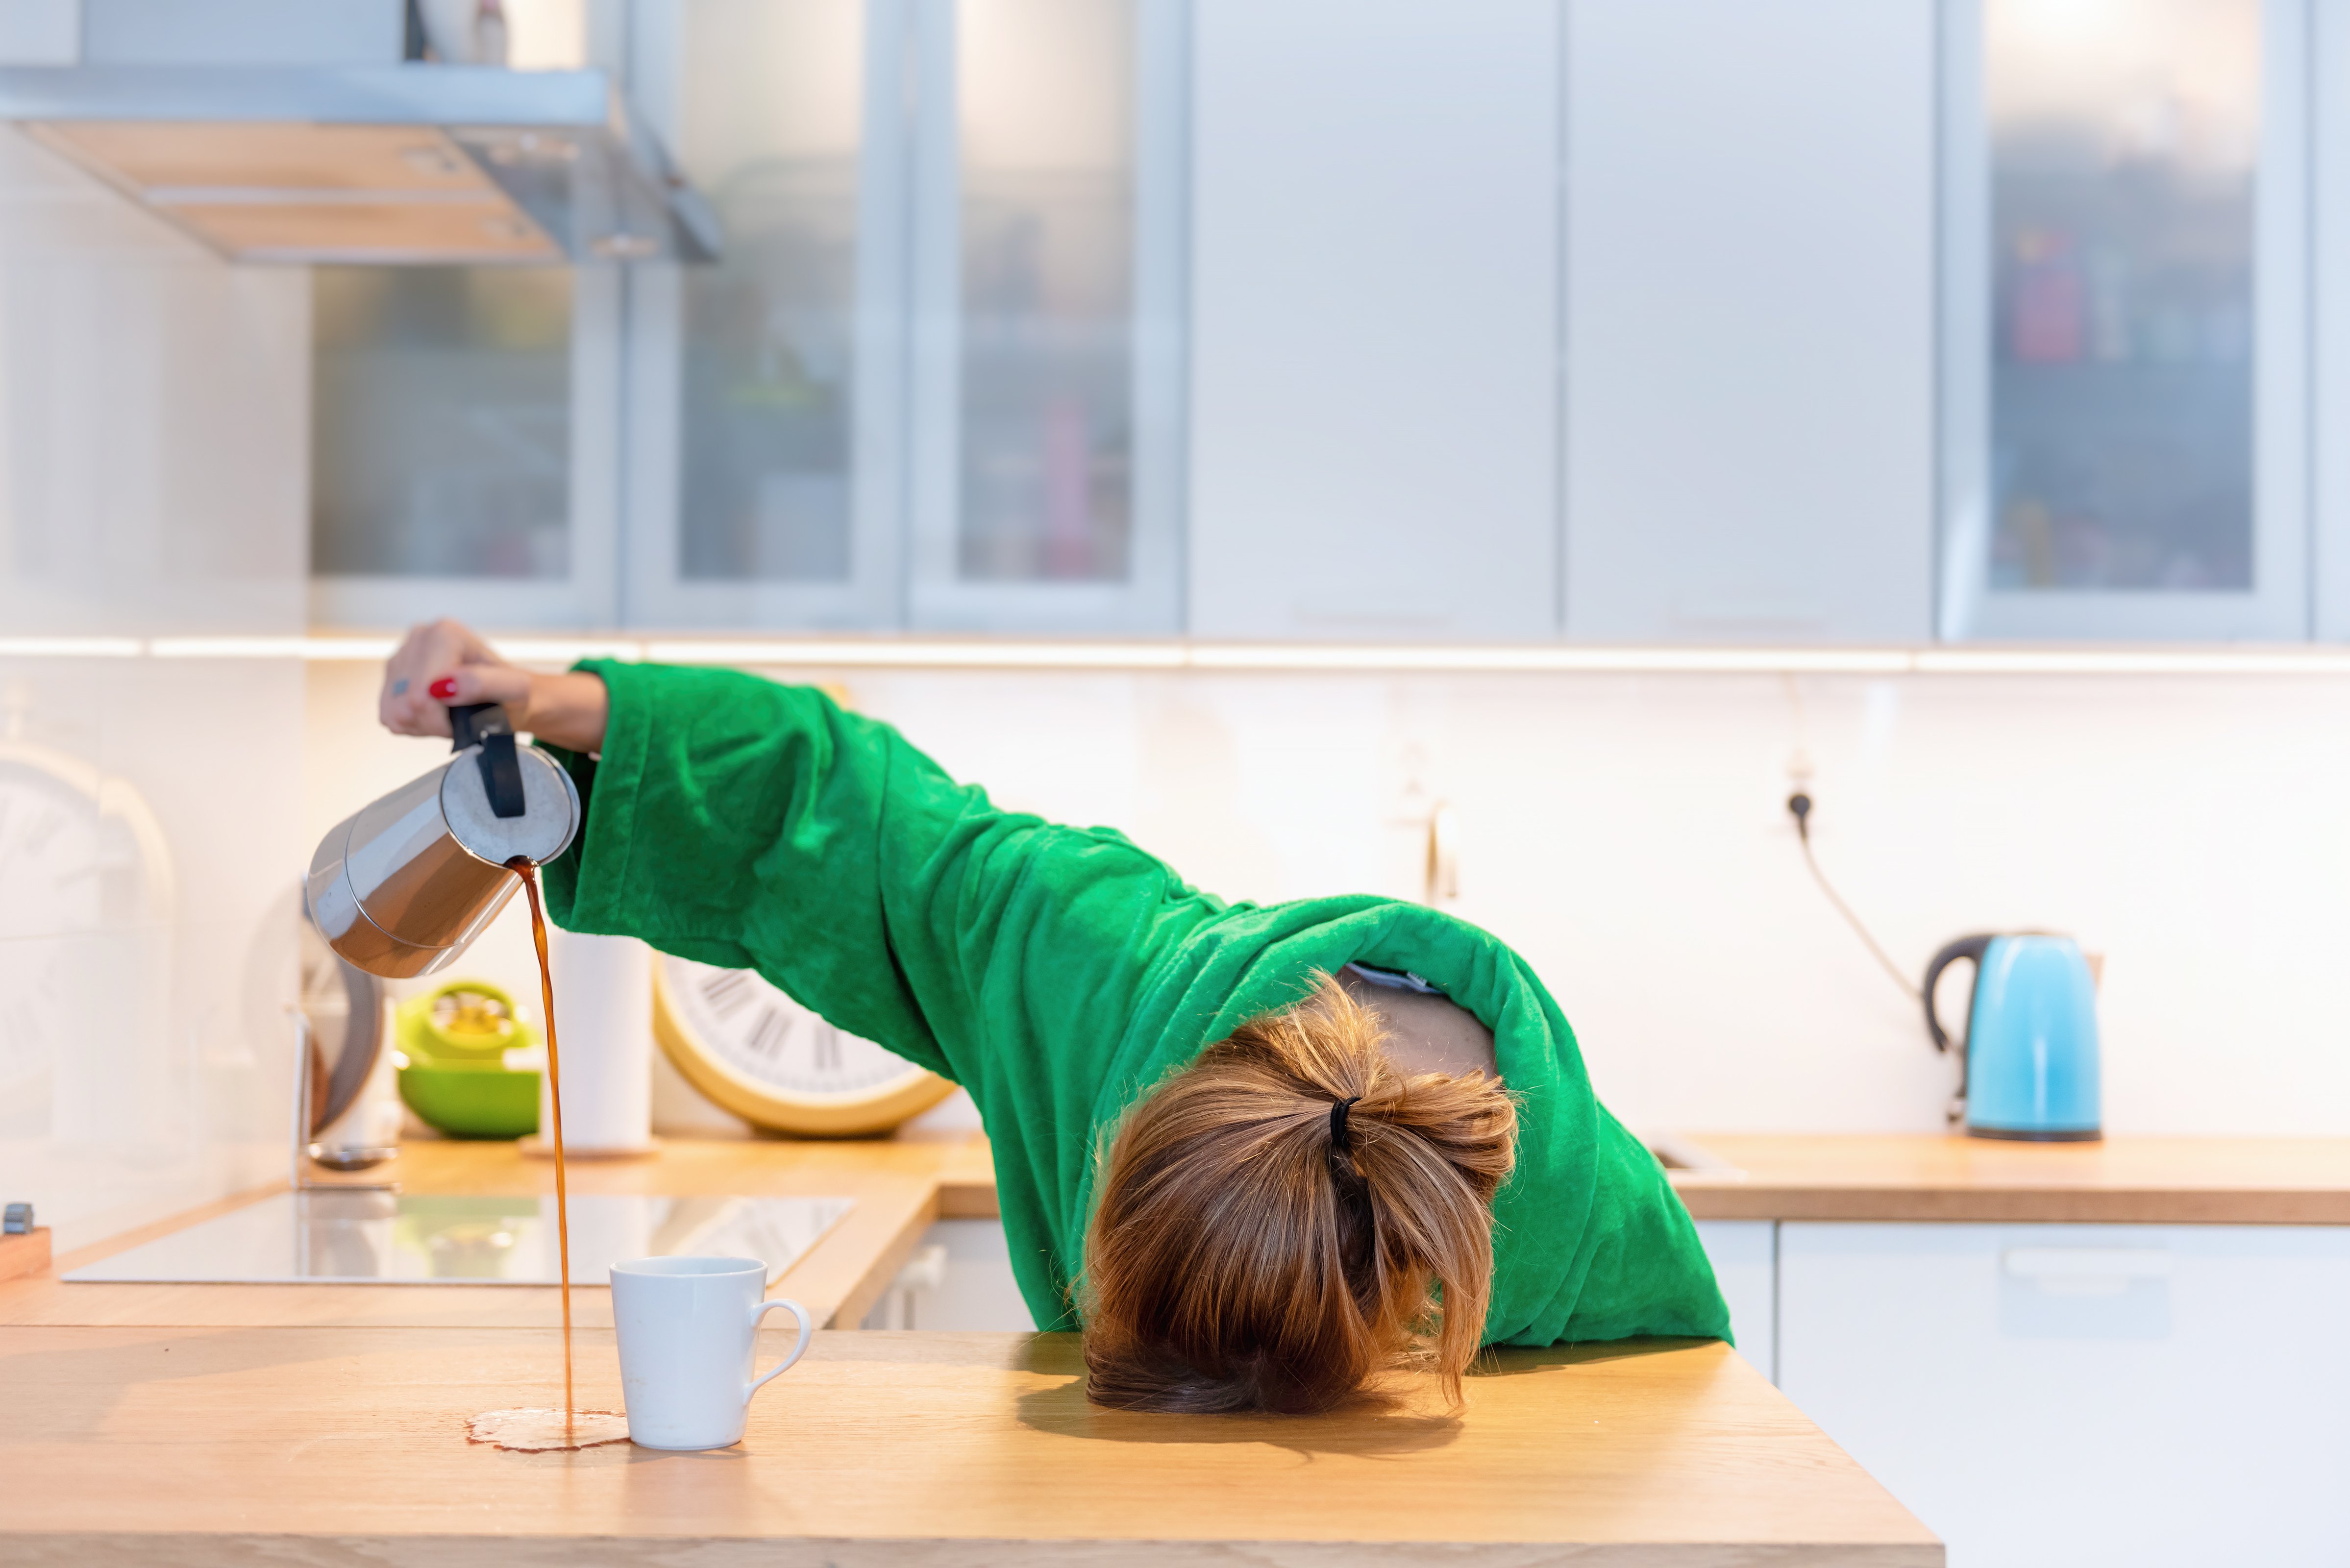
x=756, y=825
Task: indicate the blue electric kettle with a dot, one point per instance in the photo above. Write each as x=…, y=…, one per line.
x=2028, y=1057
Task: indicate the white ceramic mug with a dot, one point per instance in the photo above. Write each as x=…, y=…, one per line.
x=687, y=1328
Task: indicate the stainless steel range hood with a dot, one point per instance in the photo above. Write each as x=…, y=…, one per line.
x=415, y=163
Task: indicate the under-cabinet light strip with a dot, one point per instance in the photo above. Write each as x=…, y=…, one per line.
x=70, y=648
x=1172, y=654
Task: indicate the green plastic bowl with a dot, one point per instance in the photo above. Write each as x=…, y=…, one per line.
x=485, y=1102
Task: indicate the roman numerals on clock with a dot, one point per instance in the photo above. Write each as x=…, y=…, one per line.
x=752, y=1048
x=759, y=1030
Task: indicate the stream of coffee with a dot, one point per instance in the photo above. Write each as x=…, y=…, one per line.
x=525, y=867
x=536, y=1431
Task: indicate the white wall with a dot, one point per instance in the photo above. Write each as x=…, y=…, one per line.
x=151, y=479
x=1627, y=832
x=154, y=418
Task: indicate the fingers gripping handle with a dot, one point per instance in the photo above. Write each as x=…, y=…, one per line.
x=808, y=1330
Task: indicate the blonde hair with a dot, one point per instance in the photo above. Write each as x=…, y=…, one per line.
x=1246, y=1254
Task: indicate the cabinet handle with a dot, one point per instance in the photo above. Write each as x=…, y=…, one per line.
x=2087, y=1263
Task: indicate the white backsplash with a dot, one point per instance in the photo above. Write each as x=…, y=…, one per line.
x=152, y=475
x=155, y=420
x=1628, y=834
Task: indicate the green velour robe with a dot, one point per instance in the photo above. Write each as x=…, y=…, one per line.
x=1059, y=972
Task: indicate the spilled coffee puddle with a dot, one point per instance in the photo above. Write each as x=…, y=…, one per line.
x=545, y=1431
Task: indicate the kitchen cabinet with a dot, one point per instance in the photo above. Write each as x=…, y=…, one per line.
x=1749, y=288
x=934, y=380
x=1672, y=321
x=2330, y=334
x=1373, y=320
x=2068, y=1394
x=1744, y=1254
x=2126, y=321
x=463, y=427
x=961, y=1277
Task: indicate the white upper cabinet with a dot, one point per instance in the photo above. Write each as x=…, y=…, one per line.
x=1375, y=319
x=933, y=382
x=2330, y=335
x=462, y=438
x=1750, y=320
x=2126, y=355
x=1650, y=321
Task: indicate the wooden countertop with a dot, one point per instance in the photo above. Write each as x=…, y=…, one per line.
x=2122, y=1181
x=324, y=1424
x=901, y=1186
x=205, y=1446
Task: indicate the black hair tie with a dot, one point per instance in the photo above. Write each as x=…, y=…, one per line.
x=1339, y=1144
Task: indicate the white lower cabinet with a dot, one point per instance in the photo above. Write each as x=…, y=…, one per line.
x=2084, y=1394
x=1744, y=1256
x=959, y=1277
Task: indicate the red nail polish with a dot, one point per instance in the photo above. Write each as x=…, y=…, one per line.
x=444, y=688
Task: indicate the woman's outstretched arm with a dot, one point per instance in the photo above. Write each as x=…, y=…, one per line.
x=754, y=825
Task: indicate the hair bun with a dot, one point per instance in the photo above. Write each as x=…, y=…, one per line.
x=1276, y=1220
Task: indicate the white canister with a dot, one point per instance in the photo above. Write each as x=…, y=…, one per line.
x=604, y=1028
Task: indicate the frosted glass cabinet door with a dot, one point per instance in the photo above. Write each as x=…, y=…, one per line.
x=1043, y=442
x=2047, y=1396
x=935, y=379
x=763, y=393
x=461, y=426
x=2126, y=409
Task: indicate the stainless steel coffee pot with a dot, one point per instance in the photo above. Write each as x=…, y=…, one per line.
x=404, y=886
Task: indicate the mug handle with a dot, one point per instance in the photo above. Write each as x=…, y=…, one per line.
x=807, y=1328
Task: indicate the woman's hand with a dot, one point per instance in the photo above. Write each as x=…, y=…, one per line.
x=443, y=664
x=440, y=664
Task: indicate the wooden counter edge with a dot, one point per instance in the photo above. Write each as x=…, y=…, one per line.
x=98, y=1549
x=1713, y=1200
x=25, y=1253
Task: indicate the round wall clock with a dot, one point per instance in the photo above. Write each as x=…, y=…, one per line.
x=774, y=1063
x=85, y=907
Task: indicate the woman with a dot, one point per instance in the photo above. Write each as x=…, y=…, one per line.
x=1263, y=1155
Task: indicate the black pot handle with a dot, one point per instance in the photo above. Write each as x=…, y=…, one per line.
x=485, y=724
x=1971, y=948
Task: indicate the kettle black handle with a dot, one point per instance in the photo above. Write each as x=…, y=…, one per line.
x=485, y=724
x=1971, y=948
